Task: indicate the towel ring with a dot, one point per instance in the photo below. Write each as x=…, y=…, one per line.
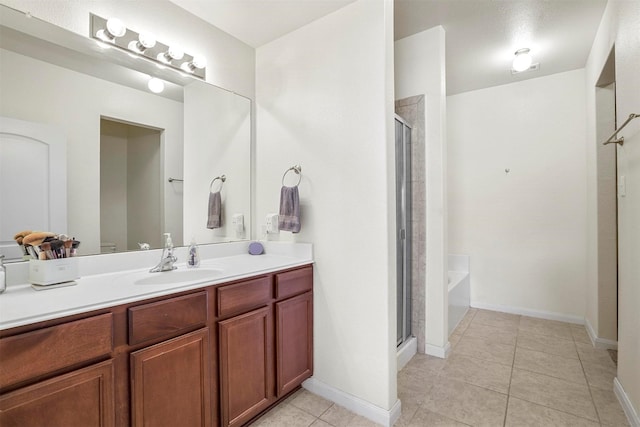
x=297, y=169
x=222, y=178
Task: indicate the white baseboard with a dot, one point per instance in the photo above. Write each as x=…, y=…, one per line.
x=599, y=342
x=541, y=314
x=406, y=352
x=625, y=402
x=434, y=350
x=354, y=404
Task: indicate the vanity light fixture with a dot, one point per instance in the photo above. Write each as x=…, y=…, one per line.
x=198, y=62
x=113, y=29
x=155, y=85
x=145, y=41
x=173, y=53
x=522, y=61
x=112, y=32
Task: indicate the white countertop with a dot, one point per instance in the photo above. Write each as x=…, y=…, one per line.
x=21, y=305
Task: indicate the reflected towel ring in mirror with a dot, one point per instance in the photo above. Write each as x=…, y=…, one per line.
x=222, y=179
x=298, y=170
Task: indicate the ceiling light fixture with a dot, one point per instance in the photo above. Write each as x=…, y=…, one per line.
x=522, y=61
x=155, y=85
x=112, y=32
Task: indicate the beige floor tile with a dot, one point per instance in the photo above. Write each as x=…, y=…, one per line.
x=608, y=407
x=546, y=327
x=320, y=423
x=311, y=403
x=547, y=344
x=549, y=364
x=467, y=403
x=424, y=417
x=481, y=349
x=416, y=381
x=338, y=416
x=590, y=354
x=506, y=321
x=521, y=413
x=359, y=421
x=580, y=334
x=492, y=334
x=553, y=392
x=410, y=404
x=491, y=375
x=454, y=338
x=285, y=415
x=424, y=362
x=600, y=376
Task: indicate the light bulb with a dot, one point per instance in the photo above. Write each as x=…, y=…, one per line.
x=522, y=61
x=155, y=85
x=198, y=61
x=175, y=52
x=116, y=27
x=145, y=41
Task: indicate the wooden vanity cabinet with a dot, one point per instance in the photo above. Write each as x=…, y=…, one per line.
x=294, y=329
x=217, y=356
x=53, y=376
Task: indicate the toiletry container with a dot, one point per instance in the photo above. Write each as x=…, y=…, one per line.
x=193, y=259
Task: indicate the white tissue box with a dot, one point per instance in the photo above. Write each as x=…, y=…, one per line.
x=52, y=271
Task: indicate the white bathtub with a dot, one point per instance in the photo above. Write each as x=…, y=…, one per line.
x=459, y=289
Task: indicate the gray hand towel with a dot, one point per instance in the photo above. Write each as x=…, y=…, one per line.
x=215, y=210
x=289, y=216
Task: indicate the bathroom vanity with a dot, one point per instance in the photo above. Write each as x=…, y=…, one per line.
x=215, y=352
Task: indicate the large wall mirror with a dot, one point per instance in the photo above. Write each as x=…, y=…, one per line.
x=87, y=150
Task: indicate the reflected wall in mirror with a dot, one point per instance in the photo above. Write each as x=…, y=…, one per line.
x=68, y=85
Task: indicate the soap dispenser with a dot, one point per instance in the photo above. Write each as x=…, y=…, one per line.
x=193, y=260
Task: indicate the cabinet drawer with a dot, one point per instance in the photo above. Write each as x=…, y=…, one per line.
x=47, y=350
x=294, y=282
x=243, y=296
x=167, y=318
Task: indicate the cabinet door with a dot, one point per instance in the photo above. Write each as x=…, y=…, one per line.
x=170, y=382
x=79, y=398
x=246, y=366
x=294, y=342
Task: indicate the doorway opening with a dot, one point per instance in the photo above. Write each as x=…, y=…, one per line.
x=131, y=194
x=606, y=327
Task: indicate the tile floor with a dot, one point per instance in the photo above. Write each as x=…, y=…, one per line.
x=504, y=370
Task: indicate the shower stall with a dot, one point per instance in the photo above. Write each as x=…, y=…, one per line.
x=403, y=228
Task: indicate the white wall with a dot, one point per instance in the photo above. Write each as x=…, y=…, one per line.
x=230, y=63
x=27, y=83
x=325, y=102
x=619, y=26
x=524, y=230
x=420, y=69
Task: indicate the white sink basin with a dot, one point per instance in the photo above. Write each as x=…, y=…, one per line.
x=177, y=276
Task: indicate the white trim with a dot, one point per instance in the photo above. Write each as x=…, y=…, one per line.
x=406, y=352
x=549, y=315
x=625, y=402
x=599, y=342
x=434, y=350
x=354, y=404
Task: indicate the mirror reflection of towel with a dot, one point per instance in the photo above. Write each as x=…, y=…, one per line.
x=215, y=210
x=289, y=216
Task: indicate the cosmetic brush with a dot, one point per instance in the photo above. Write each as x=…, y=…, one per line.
x=74, y=247
x=56, y=246
x=67, y=248
x=46, y=248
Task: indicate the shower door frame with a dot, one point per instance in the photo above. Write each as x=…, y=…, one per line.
x=403, y=228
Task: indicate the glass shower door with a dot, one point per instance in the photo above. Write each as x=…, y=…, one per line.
x=403, y=228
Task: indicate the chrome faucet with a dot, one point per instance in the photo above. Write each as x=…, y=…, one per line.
x=168, y=259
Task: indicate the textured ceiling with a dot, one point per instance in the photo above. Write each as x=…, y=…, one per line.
x=481, y=35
